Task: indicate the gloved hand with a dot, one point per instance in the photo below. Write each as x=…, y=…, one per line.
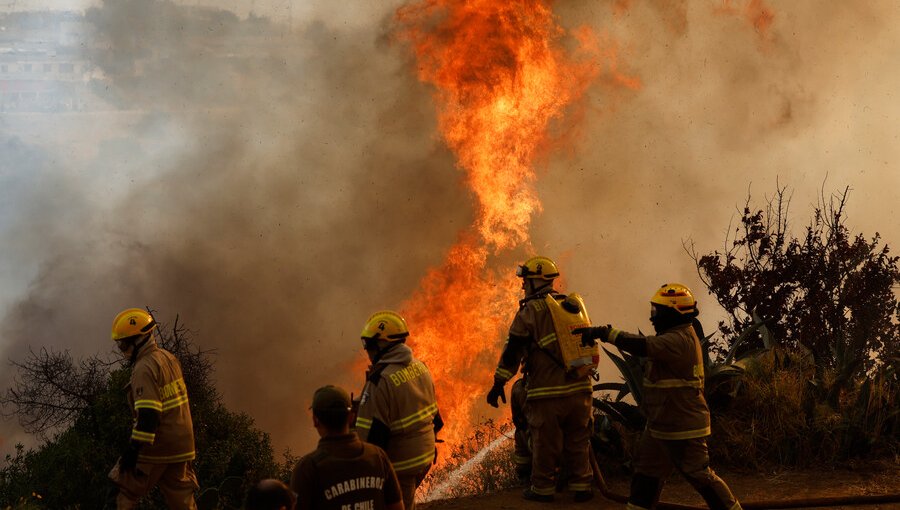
x=128, y=461
x=589, y=335
x=495, y=393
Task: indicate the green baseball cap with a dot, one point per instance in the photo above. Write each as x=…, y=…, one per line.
x=330, y=398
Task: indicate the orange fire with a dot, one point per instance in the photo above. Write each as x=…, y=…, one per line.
x=500, y=78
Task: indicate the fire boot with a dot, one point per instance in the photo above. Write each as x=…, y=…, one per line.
x=716, y=501
x=645, y=492
x=530, y=495
x=523, y=473
x=582, y=496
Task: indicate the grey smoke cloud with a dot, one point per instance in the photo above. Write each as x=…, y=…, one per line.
x=273, y=198
x=274, y=182
x=722, y=110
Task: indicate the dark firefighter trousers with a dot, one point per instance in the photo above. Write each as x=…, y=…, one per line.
x=409, y=482
x=177, y=483
x=655, y=459
x=560, y=437
x=522, y=438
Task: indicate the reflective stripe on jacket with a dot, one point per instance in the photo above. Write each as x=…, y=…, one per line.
x=540, y=352
x=158, y=384
x=402, y=398
x=673, y=385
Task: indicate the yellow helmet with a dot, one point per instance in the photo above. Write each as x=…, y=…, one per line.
x=675, y=296
x=385, y=325
x=132, y=322
x=538, y=267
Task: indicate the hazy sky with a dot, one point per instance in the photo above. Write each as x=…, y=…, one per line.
x=275, y=225
x=300, y=11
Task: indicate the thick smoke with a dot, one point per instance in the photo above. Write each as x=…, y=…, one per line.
x=725, y=107
x=275, y=182
x=273, y=199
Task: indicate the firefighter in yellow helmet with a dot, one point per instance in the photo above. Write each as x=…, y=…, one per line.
x=558, y=400
x=673, y=402
x=397, y=408
x=162, y=439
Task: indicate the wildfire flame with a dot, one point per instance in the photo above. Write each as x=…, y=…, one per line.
x=500, y=77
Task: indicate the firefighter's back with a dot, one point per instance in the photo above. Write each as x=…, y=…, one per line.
x=175, y=434
x=413, y=407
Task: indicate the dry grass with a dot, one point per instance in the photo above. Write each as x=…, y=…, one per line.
x=777, y=419
x=494, y=472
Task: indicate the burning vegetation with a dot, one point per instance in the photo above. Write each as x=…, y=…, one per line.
x=501, y=77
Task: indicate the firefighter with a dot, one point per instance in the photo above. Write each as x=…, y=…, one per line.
x=343, y=472
x=162, y=439
x=677, y=415
x=397, y=407
x=558, y=409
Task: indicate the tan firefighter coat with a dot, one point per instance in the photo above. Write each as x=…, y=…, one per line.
x=547, y=376
x=400, y=394
x=157, y=383
x=673, y=384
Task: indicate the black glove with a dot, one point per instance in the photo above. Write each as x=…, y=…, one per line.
x=495, y=393
x=128, y=461
x=589, y=335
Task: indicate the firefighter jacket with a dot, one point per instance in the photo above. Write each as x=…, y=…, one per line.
x=157, y=384
x=343, y=472
x=673, y=400
x=399, y=396
x=532, y=340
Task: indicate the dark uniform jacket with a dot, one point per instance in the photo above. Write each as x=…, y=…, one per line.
x=399, y=395
x=673, y=384
x=343, y=472
x=532, y=339
x=157, y=383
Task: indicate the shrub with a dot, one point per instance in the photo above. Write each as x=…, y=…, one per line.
x=776, y=419
x=828, y=292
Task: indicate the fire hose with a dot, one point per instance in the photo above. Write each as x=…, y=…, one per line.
x=752, y=505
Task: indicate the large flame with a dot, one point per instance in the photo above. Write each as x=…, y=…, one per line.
x=500, y=77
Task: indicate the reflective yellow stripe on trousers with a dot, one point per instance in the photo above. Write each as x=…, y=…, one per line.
x=167, y=459
x=684, y=434
x=418, y=461
x=674, y=383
